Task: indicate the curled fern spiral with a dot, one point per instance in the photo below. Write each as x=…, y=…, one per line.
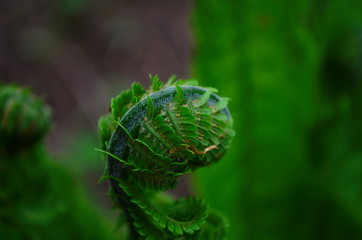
x=24, y=119
x=151, y=139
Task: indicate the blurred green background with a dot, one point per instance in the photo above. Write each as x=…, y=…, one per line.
x=293, y=71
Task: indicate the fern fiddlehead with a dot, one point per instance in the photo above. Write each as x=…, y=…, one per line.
x=37, y=194
x=151, y=139
x=24, y=119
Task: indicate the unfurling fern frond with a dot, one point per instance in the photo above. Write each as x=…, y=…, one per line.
x=151, y=139
x=24, y=119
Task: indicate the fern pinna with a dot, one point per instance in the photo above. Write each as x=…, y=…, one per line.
x=151, y=139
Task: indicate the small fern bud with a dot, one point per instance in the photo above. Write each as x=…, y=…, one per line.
x=24, y=119
x=159, y=135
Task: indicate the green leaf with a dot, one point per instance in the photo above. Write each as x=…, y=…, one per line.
x=150, y=110
x=119, y=104
x=127, y=164
x=188, y=82
x=156, y=84
x=184, y=216
x=204, y=98
x=106, y=128
x=170, y=81
x=137, y=89
x=221, y=104
x=180, y=96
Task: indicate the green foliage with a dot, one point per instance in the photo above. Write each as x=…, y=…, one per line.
x=160, y=135
x=290, y=67
x=38, y=198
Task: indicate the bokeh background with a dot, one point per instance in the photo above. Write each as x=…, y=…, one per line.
x=78, y=54
x=293, y=71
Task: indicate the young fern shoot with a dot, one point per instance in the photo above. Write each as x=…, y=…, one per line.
x=24, y=119
x=151, y=139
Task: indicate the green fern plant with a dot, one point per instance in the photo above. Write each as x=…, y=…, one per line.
x=153, y=137
x=38, y=198
x=24, y=119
